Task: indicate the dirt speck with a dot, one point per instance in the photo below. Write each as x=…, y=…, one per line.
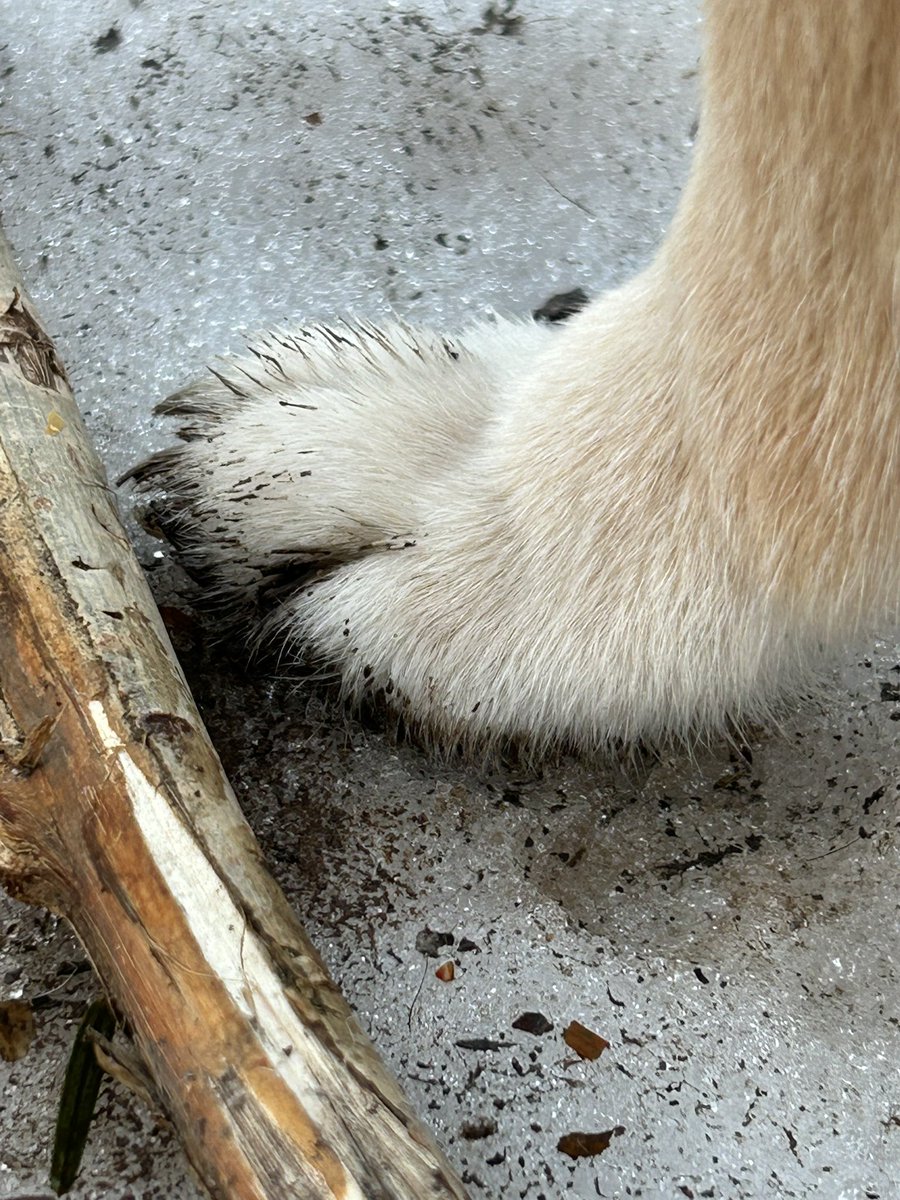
x=501, y=18
x=106, y=42
x=429, y=942
x=585, y=1145
x=562, y=305
x=533, y=1022
x=481, y=1127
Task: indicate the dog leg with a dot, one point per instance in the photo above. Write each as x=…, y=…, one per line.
x=642, y=525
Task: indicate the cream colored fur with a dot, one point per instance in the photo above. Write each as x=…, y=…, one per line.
x=643, y=525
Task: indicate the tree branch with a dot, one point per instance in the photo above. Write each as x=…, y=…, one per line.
x=115, y=812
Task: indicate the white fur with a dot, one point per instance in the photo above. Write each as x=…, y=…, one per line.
x=642, y=525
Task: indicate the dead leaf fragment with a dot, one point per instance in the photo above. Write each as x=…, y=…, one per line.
x=16, y=1029
x=584, y=1041
x=585, y=1145
x=533, y=1022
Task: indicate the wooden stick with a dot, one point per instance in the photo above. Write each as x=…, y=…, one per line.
x=115, y=812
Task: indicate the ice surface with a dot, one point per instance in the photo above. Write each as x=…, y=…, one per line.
x=173, y=174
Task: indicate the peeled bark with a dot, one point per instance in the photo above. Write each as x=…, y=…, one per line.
x=116, y=813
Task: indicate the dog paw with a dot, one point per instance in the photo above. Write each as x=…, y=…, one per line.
x=319, y=448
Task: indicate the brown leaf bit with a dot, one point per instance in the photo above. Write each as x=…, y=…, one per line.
x=584, y=1041
x=585, y=1145
x=446, y=972
x=16, y=1029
